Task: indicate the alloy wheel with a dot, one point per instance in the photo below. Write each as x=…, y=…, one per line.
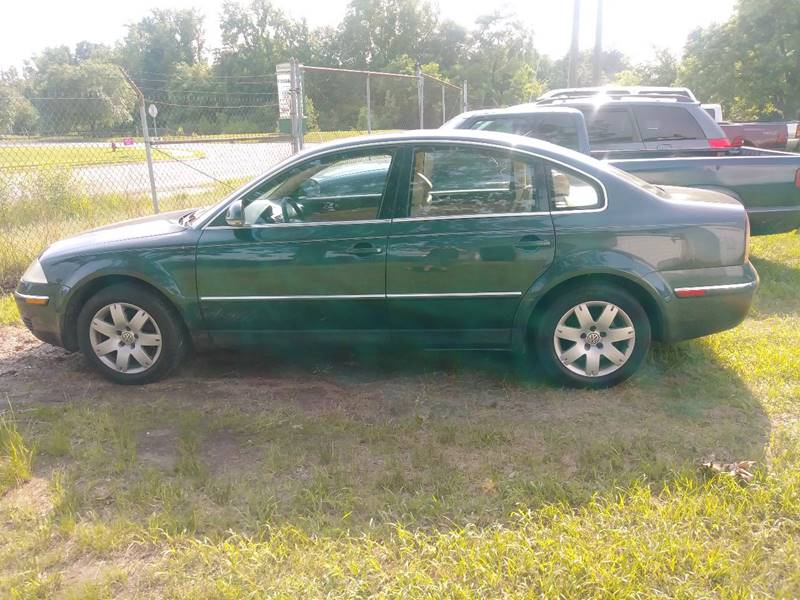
x=125, y=338
x=594, y=338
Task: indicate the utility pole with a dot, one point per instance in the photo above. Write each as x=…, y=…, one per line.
x=598, y=45
x=572, y=76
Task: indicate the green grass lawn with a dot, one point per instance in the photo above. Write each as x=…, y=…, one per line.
x=27, y=156
x=424, y=476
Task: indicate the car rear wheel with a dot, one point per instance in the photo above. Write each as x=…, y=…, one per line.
x=593, y=337
x=130, y=335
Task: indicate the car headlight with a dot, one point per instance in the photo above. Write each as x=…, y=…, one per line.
x=34, y=273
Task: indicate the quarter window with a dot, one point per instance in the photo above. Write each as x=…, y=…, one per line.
x=570, y=191
x=663, y=123
x=453, y=181
x=323, y=190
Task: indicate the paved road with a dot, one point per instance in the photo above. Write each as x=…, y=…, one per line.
x=221, y=161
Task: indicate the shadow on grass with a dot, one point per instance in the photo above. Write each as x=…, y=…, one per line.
x=331, y=440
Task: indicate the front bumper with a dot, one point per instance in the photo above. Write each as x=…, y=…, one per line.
x=727, y=294
x=39, y=308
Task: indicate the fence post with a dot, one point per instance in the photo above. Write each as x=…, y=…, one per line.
x=148, y=152
x=421, y=96
x=369, y=108
x=464, y=104
x=294, y=112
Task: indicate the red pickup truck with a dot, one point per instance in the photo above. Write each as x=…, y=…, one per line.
x=754, y=135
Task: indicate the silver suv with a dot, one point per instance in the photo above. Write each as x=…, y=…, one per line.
x=641, y=122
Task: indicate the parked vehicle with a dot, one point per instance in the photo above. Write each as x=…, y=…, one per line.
x=754, y=135
x=444, y=239
x=794, y=136
x=766, y=182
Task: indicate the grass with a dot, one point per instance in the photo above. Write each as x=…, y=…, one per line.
x=25, y=230
x=9, y=315
x=16, y=157
x=440, y=476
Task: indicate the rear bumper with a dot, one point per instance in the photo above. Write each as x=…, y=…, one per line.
x=722, y=301
x=779, y=219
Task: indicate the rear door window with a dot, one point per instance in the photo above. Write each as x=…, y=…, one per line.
x=667, y=123
x=609, y=125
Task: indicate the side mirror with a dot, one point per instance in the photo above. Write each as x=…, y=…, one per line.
x=234, y=216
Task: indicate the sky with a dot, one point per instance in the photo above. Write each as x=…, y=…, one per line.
x=634, y=27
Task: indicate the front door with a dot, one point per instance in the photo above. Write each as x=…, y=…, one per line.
x=474, y=235
x=311, y=255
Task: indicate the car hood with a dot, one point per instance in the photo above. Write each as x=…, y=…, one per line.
x=135, y=229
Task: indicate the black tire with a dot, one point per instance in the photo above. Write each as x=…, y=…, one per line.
x=170, y=328
x=544, y=330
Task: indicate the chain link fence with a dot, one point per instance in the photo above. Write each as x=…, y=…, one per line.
x=83, y=161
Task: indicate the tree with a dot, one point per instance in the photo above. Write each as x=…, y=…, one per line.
x=87, y=97
x=661, y=71
x=159, y=42
x=751, y=63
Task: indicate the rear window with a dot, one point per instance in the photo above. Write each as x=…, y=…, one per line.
x=553, y=128
x=661, y=123
x=608, y=125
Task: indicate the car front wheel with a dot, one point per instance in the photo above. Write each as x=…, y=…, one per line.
x=130, y=335
x=596, y=336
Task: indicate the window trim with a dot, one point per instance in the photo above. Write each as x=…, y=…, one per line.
x=598, y=187
x=403, y=174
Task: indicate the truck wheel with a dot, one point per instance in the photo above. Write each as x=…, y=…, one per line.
x=594, y=337
x=130, y=335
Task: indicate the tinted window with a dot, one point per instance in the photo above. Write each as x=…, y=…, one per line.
x=609, y=125
x=341, y=188
x=470, y=181
x=660, y=123
x=570, y=191
x=553, y=128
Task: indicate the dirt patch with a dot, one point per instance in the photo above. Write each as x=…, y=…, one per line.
x=225, y=452
x=158, y=448
x=33, y=498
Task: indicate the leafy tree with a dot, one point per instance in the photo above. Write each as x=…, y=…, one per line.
x=17, y=114
x=661, y=71
x=162, y=40
x=87, y=97
x=749, y=64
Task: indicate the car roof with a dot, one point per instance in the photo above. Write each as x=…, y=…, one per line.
x=528, y=108
x=509, y=140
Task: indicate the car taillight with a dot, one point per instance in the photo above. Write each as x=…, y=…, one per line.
x=719, y=143
x=783, y=137
x=797, y=178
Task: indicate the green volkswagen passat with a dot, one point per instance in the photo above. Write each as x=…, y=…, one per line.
x=441, y=239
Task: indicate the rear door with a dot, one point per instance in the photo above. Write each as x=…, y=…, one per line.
x=472, y=236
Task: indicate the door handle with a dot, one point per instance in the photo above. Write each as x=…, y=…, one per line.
x=364, y=249
x=529, y=242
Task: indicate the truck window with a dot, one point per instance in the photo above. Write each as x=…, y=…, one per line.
x=553, y=128
x=660, y=123
x=608, y=125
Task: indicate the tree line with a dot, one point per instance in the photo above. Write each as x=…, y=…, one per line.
x=750, y=64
